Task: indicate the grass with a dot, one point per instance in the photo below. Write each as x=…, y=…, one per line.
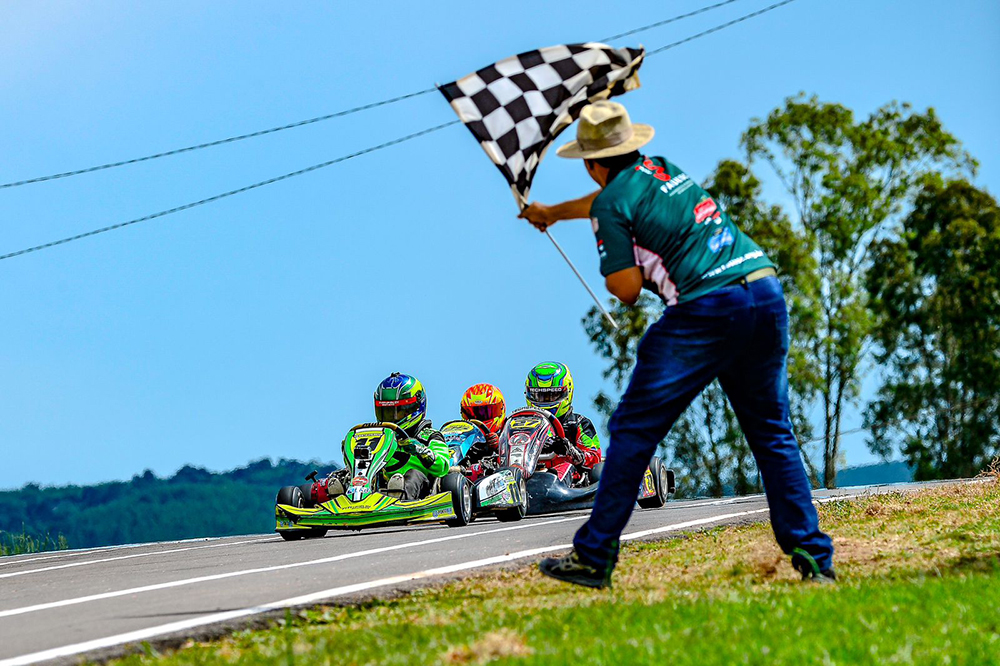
x=12, y=543
x=920, y=583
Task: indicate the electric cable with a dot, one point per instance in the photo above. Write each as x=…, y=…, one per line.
x=309, y=121
x=337, y=160
x=219, y=142
x=201, y=202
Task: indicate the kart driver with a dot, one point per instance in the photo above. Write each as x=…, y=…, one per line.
x=484, y=403
x=549, y=387
x=422, y=456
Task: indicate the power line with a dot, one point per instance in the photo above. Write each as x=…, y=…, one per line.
x=667, y=21
x=722, y=26
x=310, y=121
x=230, y=193
x=339, y=159
x=209, y=144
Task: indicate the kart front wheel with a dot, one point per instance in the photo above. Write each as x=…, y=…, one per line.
x=515, y=513
x=292, y=496
x=461, y=498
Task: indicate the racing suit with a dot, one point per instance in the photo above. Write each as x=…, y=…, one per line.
x=420, y=458
x=569, y=465
x=481, y=460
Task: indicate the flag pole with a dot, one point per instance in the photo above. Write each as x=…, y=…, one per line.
x=582, y=281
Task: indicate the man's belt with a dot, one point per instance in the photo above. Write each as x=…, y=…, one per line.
x=758, y=274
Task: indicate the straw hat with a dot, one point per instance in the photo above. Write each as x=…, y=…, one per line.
x=605, y=131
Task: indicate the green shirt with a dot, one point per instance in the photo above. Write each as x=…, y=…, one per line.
x=652, y=215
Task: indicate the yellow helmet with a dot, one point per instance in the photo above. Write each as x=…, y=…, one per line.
x=549, y=386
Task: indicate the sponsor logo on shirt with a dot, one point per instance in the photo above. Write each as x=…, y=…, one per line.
x=679, y=183
x=600, y=249
x=732, y=263
x=706, y=210
x=720, y=239
x=671, y=184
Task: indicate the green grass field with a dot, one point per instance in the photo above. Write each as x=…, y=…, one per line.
x=920, y=583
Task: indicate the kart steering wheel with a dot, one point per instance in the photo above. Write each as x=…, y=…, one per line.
x=553, y=420
x=479, y=424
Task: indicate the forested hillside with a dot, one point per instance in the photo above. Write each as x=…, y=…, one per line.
x=192, y=503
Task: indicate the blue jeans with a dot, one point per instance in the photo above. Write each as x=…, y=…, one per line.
x=738, y=334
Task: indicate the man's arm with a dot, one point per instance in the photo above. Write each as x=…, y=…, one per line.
x=625, y=284
x=542, y=217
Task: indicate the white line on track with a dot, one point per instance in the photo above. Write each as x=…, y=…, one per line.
x=20, y=559
x=276, y=567
x=314, y=597
x=133, y=556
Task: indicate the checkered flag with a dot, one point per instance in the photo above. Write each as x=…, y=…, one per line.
x=515, y=108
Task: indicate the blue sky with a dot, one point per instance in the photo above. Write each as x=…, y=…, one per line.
x=259, y=326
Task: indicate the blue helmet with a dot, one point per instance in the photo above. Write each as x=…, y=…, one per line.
x=401, y=399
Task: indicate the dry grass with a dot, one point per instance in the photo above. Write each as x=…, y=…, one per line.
x=879, y=536
x=501, y=644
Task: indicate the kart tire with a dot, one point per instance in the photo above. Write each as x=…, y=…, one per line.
x=660, y=482
x=595, y=472
x=461, y=498
x=306, y=490
x=516, y=513
x=292, y=496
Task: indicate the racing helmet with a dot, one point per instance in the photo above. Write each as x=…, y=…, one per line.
x=484, y=402
x=550, y=387
x=400, y=399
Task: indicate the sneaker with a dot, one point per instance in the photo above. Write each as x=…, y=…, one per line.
x=570, y=569
x=806, y=565
x=395, y=487
x=335, y=487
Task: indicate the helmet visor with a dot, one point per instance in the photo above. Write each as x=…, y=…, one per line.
x=484, y=413
x=396, y=411
x=546, y=396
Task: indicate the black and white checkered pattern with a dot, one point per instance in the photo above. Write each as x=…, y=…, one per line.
x=515, y=108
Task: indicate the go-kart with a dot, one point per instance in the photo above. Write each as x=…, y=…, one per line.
x=367, y=449
x=522, y=455
x=501, y=493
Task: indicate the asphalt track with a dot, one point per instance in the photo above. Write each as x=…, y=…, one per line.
x=103, y=602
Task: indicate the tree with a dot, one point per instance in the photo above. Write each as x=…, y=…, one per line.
x=935, y=296
x=850, y=181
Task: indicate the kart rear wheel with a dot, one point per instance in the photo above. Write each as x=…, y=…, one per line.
x=661, y=483
x=292, y=496
x=516, y=513
x=461, y=498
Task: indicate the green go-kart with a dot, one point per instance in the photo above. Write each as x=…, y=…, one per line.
x=367, y=449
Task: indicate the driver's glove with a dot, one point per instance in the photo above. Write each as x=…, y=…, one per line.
x=561, y=445
x=423, y=453
x=492, y=441
x=576, y=455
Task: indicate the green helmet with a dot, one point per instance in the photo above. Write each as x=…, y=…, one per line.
x=400, y=399
x=550, y=387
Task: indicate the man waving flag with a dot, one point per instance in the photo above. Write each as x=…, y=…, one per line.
x=516, y=107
